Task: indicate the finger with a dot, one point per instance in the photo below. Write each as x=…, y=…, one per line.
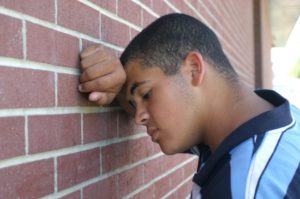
x=94, y=58
x=106, y=99
x=107, y=83
x=90, y=50
x=98, y=70
x=95, y=96
x=102, y=98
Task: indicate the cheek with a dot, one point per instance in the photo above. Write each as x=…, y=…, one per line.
x=168, y=104
x=161, y=109
x=167, y=107
x=170, y=118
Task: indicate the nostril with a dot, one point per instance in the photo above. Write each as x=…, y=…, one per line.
x=143, y=121
x=142, y=118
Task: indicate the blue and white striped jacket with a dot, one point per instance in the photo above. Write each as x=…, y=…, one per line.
x=260, y=159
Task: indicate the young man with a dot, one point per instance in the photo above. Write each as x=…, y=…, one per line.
x=176, y=80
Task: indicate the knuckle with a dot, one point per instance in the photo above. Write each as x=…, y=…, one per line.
x=83, y=87
x=88, y=74
x=81, y=78
x=99, y=85
x=84, y=63
x=117, y=62
x=122, y=76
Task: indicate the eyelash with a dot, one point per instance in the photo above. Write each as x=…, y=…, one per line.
x=132, y=104
x=147, y=95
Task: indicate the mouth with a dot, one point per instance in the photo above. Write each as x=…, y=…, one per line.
x=153, y=133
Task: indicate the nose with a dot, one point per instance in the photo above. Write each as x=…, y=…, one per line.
x=141, y=116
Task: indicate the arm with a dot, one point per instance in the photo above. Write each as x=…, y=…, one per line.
x=103, y=76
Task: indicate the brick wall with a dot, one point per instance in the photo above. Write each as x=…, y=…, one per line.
x=53, y=142
x=262, y=45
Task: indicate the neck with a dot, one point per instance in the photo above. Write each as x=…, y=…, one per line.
x=231, y=108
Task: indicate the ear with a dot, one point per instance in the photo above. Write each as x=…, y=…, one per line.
x=195, y=67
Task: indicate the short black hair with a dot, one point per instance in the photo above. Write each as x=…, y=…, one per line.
x=166, y=42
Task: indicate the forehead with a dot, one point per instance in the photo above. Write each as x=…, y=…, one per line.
x=137, y=74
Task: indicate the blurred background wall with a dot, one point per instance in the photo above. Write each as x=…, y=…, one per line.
x=285, y=52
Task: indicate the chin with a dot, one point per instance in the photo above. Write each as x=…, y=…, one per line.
x=169, y=151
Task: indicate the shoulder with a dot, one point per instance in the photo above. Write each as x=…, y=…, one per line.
x=274, y=167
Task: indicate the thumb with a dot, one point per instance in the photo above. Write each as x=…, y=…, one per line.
x=95, y=96
x=102, y=98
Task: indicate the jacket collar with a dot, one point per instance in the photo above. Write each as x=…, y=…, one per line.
x=275, y=118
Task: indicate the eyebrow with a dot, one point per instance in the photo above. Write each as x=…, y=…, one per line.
x=135, y=85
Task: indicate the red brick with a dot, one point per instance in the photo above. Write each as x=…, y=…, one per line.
x=176, y=177
x=49, y=132
x=110, y=5
x=130, y=180
x=86, y=44
x=225, y=33
x=161, y=8
x=179, y=4
x=68, y=94
x=121, y=154
x=74, y=195
x=147, y=18
x=79, y=17
x=115, y=156
x=49, y=46
x=190, y=168
x=182, y=6
x=148, y=3
x=133, y=33
x=184, y=190
x=159, y=165
x=26, y=88
x=113, y=52
x=107, y=188
x=130, y=11
x=162, y=187
x=114, y=32
x=99, y=126
x=11, y=38
x=127, y=125
x=185, y=9
x=173, y=195
x=156, y=148
x=12, y=137
x=169, y=162
x=32, y=180
x=76, y=168
x=199, y=8
x=140, y=149
x=189, y=185
x=187, y=156
x=153, y=168
x=36, y=8
x=146, y=193
x=174, y=160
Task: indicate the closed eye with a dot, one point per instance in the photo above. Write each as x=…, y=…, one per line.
x=147, y=95
x=132, y=104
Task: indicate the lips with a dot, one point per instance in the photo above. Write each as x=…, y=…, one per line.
x=154, y=133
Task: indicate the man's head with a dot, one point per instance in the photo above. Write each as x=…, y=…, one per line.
x=172, y=66
x=167, y=41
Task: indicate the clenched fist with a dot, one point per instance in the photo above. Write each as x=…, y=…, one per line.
x=102, y=75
